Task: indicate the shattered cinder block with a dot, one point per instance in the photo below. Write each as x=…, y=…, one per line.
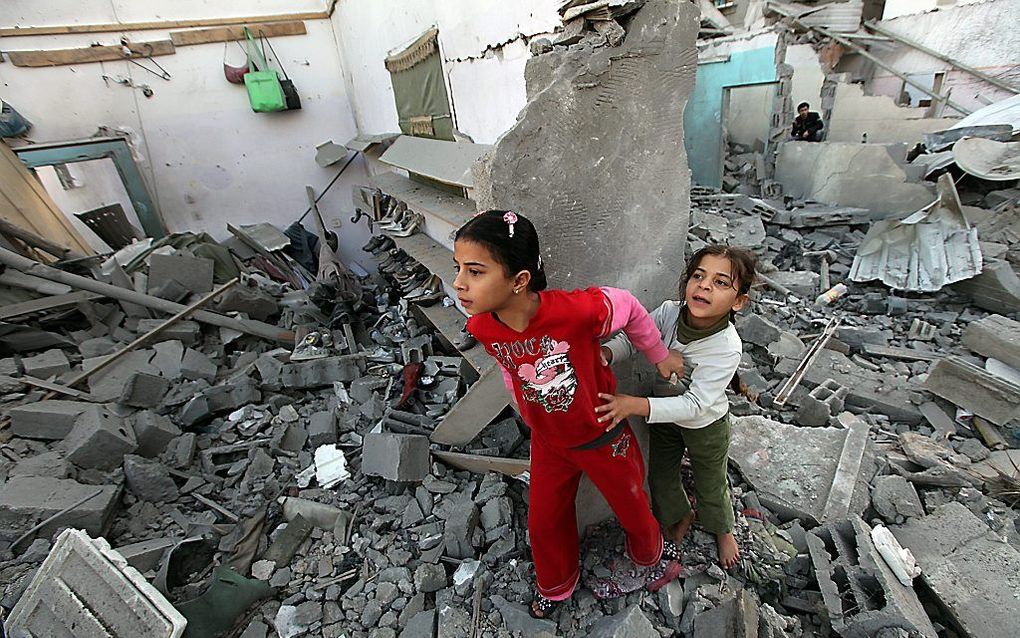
x=196, y=365
x=396, y=457
x=99, y=439
x=144, y=390
x=860, y=591
x=27, y=500
x=168, y=359
x=598, y=152
x=973, y=573
x=149, y=480
x=194, y=273
x=47, y=364
x=974, y=389
x=108, y=384
x=322, y=428
x=187, y=332
x=152, y=433
x=87, y=590
x=316, y=373
x=51, y=420
x=821, y=403
x=219, y=399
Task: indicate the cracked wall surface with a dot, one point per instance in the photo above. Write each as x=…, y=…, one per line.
x=597, y=158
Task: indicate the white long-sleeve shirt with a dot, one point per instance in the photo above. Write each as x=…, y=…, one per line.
x=709, y=366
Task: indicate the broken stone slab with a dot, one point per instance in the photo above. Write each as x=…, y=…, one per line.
x=974, y=389
x=27, y=500
x=869, y=390
x=46, y=364
x=598, y=146
x=396, y=457
x=144, y=390
x=152, y=433
x=51, y=464
x=196, y=365
x=735, y=617
x=895, y=499
x=108, y=384
x=482, y=403
x=99, y=439
x=219, y=399
x=754, y=328
x=430, y=577
x=149, y=480
x=65, y=597
x=194, y=273
x=49, y=420
x=794, y=469
x=187, y=332
x=168, y=359
x=322, y=428
x=996, y=289
x=251, y=300
x=995, y=336
x=146, y=555
x=459, y=529
x=420, y=625
x=861, y=593
x=973, y=573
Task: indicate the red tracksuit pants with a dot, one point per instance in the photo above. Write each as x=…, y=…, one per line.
x=618, y=471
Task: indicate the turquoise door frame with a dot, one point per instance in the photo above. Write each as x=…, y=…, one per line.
x=115, y=148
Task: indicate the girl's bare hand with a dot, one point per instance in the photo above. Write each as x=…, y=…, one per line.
x=618, y=407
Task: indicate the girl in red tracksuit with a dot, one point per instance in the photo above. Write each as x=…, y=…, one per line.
x=547, y=344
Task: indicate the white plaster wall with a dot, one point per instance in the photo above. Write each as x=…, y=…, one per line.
x=748, y=114
x=855, y=113
x=484, y=48
x=980, y=34
x=806, y=84
x=896, y=8
x=99, y=185
x=207, y=158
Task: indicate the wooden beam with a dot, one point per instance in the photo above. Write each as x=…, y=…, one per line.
x=111, y=27
x=941, y=56
x=101, y=53
x=226, y=34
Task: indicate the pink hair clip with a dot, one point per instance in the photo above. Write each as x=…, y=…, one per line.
x=511, y=219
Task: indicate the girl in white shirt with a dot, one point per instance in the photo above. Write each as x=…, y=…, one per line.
x=714, y=287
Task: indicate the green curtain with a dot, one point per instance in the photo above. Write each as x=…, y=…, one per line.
x=419, y=91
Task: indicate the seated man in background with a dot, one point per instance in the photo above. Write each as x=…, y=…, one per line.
x=807, y=126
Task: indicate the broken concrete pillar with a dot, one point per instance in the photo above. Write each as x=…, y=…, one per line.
x=860, y=591
x=396, y=457
x=975, y=390
x=87, y=590
x=144, y=390
x=152, y=433
x=47, y=364
x=99, y=439
x=51, y=420
x=995, y=336
x=27, y=500
x=973, y=573
x=597, y=153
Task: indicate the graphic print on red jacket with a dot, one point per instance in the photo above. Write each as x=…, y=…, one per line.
x=553, y=365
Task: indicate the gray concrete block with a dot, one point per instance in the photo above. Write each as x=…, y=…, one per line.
x=895, y=499
x=520, y=623
x=145, y=555
x=860, y=592
x=735, y=617
x=194, y=273
x=99, y=439
x=51, y=464
x=459, y=529
x=362, y=388
x=421, y=625
x=397, y=457
x=97, y=347
x=632, y=623
x=187, y=332
x=152, y=433
x=108, y=384
x=973, y=573
x=149, y=480
x=196, y=365
x=144, y=390
x=219, y=399
x=168, y=359
x=316, y=373
x=582, y=186
x=27, y=500
x=754, y=328
x=322, y=428
x=975, y=390
x=252, y=301
x=51, y=420
x=87, y=590
x=996, y=289
x=10, y=367
x=995, y=336
x=44, y=365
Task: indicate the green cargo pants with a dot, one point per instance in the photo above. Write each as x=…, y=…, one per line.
x=707, y=448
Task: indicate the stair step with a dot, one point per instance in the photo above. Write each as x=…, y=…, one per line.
x=444, y=213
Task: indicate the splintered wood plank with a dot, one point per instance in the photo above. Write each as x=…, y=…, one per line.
x=236, y=32
x=483, y=464
x=476, y=409
x=101, y=53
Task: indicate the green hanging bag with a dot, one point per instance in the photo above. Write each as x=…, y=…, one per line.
x=264, y=91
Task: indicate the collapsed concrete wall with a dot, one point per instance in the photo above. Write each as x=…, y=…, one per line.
x=855, y=114
x=597, y=158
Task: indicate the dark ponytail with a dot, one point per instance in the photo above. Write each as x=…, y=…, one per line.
x=744, y=266
x=519, y=252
